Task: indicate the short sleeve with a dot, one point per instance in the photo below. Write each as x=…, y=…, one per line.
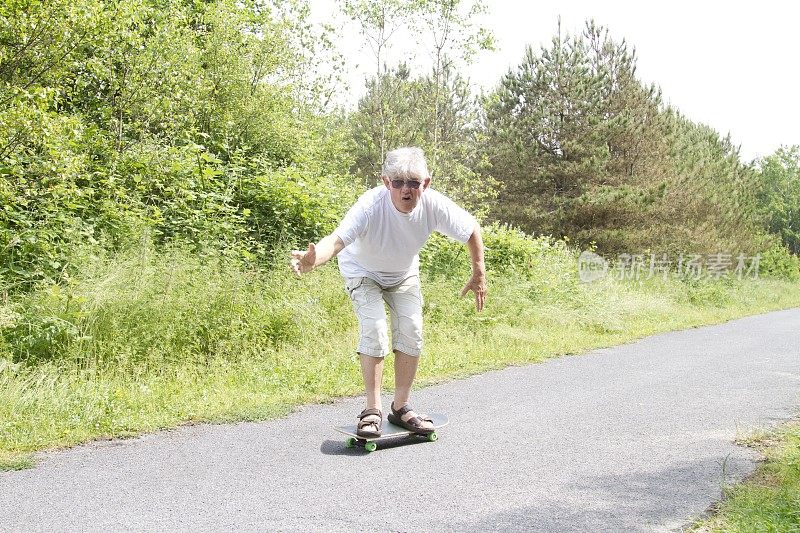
x=353, y=225
x=453, y=221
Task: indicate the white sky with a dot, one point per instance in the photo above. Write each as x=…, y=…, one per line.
x=733, y=68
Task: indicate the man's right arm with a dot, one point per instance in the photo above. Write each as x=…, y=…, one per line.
x=352, y=225
x=316, y=255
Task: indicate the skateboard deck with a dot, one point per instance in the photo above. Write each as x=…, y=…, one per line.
x=389, y=431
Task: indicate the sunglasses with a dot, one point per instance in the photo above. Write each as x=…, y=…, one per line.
x=411, y=184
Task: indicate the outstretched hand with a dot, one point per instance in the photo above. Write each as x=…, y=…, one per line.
x=476, y=284
x=303, y=262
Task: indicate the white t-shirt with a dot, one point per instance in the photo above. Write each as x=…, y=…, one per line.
x=383, y=244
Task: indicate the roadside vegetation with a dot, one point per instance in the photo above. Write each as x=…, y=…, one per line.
x=769, y=500
x=159, y=158
x=148, y=340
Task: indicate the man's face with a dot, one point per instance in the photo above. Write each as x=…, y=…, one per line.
x=406, y=191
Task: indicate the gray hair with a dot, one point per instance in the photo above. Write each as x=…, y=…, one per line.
x=405, y=163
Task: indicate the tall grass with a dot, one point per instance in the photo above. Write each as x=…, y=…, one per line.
x=149, y=340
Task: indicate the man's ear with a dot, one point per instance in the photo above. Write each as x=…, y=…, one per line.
x=426, y=183
x=386, y=182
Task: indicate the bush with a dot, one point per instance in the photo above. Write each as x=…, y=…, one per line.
x=290, y=206
x=178, y=120
x=548, y=268
x=778, y=262
x=507, y=250
x=179, y=194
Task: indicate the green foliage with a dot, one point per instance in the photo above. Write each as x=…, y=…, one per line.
x=709, y=203
x=289, y=206
x=778, y=262
x=155, y=339
x=143, y=310
x=508, y=252
x=459, y=169
x=453, y=140
x=54, y=191
x=437, y=111
x=779, y=196
x=546, y=136
x=769, y=500
x=707, y=293
x=375, y=126
x=41, y=335
x=584, y=150
x=182, y=121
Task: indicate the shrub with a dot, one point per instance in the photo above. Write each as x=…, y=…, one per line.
x=507, y=250
x=290, y=206
x=778, y=262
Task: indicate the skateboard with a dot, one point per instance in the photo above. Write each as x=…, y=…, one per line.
x=389, y=431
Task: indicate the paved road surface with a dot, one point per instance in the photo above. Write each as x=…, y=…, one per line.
x=633, y=438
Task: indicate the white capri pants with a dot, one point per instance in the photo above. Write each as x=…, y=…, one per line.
x=405, y=308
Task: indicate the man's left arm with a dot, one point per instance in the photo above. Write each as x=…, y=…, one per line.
x=477, y=283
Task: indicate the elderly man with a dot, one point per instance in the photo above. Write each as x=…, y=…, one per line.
x=378, y=243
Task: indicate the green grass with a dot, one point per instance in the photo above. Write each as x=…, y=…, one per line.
x=150, y=341
x=770, y=499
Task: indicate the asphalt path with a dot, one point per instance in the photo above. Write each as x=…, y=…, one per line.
x=638, y=437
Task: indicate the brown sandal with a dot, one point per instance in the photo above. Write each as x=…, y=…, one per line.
x=412, y=424
x=369, y=428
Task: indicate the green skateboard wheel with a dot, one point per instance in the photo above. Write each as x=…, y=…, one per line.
x=350, y=443
x=370, y=446
x=433, y=437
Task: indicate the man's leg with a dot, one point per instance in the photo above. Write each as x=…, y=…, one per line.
x=373, y=344
x=372, y=370
x=405, y=304
x=405, y=370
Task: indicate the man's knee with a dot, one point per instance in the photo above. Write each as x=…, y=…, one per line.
x=374, y=337
x=407, y=337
